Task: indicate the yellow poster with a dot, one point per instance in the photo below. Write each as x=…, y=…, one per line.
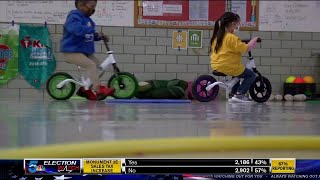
x=179, y=40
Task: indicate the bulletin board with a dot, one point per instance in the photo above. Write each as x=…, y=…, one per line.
x=200, y=14
x=298, y=16
x=108, y=13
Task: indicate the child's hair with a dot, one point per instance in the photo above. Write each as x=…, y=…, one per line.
x=219, y=28
x=76, y=2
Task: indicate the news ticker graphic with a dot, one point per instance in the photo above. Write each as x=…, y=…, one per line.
x=52, y=166
x=196, y=162
x=283, y=166
x=102, y=166
x=195, y=170
x=158, y=166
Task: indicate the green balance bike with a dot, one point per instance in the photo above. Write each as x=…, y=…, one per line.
x=61, y=85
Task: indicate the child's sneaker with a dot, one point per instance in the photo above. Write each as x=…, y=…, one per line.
x=102, y=94
x=106, y=91
x=90, y=95
x=241, y=98
x=81, y=92
x=87, y=94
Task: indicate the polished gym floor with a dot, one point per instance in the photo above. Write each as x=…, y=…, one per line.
x=35, y=123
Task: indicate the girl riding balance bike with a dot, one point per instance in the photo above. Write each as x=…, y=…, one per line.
x=226, y=60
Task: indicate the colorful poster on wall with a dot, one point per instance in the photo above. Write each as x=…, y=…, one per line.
x=9, y=43
x=193, y=14
x=199, y=10
x=36, y=59
x=239, y=7
x=152, y=8
x=179, y=40
x=195, y=39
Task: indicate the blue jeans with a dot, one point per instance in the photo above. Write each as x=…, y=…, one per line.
x=248, y=77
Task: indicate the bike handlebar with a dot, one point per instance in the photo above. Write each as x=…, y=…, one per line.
x=258, y=40
x=248, y=40
x=105, y=40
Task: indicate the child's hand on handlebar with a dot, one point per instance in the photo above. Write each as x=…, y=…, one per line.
x=252, y=44
x=102, y=36
x=257, y=39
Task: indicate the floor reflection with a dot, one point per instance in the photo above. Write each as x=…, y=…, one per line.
x=48, y=122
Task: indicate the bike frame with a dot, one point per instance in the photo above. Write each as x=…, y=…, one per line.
x=85, y=81
x=228, y=84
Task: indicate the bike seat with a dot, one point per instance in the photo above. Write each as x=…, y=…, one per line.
x=218, y=73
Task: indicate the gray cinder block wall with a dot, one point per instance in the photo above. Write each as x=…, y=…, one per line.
x=147, y=53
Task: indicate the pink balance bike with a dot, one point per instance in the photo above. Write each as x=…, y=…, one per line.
x=206, y=88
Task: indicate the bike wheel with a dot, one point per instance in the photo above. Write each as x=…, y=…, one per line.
x=125, y=85
x=199, y=91
x=261, y=89
x=63, y=93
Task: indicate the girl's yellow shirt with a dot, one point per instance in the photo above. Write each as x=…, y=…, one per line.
x=228, y=58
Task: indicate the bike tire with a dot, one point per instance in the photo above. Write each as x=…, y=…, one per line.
x=261, y=85
x=199, y=91
x=63, y=93
x=130, y=83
